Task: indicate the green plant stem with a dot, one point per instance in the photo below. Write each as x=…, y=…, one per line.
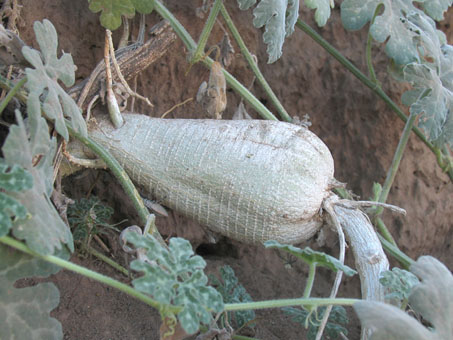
x=199, y=52
x=107, y=260
x=11, y=94
x=90, y=274
x=190, y=45
x=405, y=260
x=313, y=302
x=7, y=85
x=310, y=280
x=364, y=79
x=369, y=42
x=242, y=337
x=122, y=178
x=111, y=162
x=253, y=65
x=397, y=158
x=392, y=173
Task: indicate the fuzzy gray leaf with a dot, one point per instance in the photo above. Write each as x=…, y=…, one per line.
x=322, y=7
x=44, y=231
x=175, y=276
x=25, y=311
x=432, y=298
x=42, y=81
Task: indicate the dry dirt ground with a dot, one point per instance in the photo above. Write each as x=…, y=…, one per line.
x=360, y=130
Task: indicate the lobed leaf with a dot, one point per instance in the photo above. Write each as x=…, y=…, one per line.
x=432, y=298
x=312, y=319
x=143, y=6
x=12, y=178
x=175, y=276
x=399, y=284
x=322, y=7
x=393, y=24
x=25, y=311
x=44, y=232
x=233, y=292
x=278, y=17
x=436, y=8
x=112, y=10
x=309, y=256
x=42, y=81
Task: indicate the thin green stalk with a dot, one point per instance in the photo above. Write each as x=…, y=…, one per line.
x=7, y=85
x=111, y=162
x=107, y=260
x=369, y=42
x=242, y=337
x=253, y=65
x=122, y=178
x=405, y=260
x=364, y=79
x=190, y=45
x=89, y=273
x=393, y=170
x=11, y=94
x=199, y=52
x=310, y=280
x=313, y=302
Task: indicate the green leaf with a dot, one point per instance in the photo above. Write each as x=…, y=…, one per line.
x=272, y=14
x=12, y=178
x=399, y=284
x=322, y=7
x=278, y=17
x=44, y=231
x=175, y=277
x=25, y=311
x=437, y=8
x=246, y=4
x=432, y=298
x=391, y=25
x=309, y=256
x=86, y=216
x=233, y=292
x=112, y=10
x=312, y=319
x=10, y=208
x=433, y=101
x=42, y=81
x=292, y=13
x=143, y=6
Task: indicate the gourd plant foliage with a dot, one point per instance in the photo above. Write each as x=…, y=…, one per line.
x=174, y=277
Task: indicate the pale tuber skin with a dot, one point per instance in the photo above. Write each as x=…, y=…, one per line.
x=249, y=180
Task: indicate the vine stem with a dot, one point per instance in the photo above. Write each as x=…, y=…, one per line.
x=313, y=302
x=122, y=177
x=110, y=161
x=253, y=65
x=11, y=94
x=368, y=48
x=9, y=241
x=191, y=45
x=199, y=51
x=367, y=82
x=310, y=279
x=107, y=260
x=405, y=260
x=392, y=173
